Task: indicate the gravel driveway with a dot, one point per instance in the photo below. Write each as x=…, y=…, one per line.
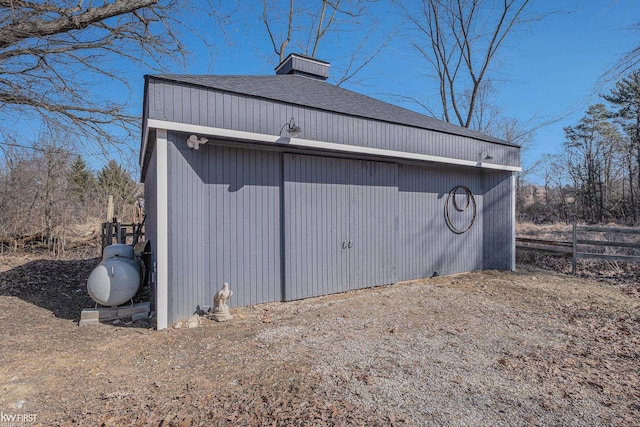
x=478, y=349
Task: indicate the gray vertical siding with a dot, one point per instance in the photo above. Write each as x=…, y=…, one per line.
x=187, y=203
x=498, y=221
x=183, y=103
x=273, y=224
x=151, y=209
x=340, y=217
x=229, y=206
x=373, y=215
x=426, y=245
x=244, y=223
x=316, y=223
x=306, y=66
x=224, y=225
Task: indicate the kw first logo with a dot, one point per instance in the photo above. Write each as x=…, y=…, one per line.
x=16, y=419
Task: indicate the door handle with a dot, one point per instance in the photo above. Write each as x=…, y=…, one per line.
x=350, y=245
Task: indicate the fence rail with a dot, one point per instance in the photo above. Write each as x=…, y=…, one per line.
x=576, y=247
x=545, y=245
x=577, y=253
x=119, y=232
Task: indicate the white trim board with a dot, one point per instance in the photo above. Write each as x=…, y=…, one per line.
x=162, y=231
x=321, y=145
x=513, y=221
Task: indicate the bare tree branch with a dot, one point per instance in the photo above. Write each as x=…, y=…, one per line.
x=313, y=24
x=353, y=69
x=54, y=53
x=70, y=19
x=278, y=49
x=463, y=37
x=321, y=30
x=623, y=66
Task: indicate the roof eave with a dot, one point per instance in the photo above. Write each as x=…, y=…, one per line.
x=476, y=135
x=300, y=143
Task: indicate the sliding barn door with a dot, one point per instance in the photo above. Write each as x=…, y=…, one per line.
x=373, y=225
x=340, y=221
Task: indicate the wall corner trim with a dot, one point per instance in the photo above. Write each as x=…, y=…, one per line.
x=162, y=233
x=513, y=221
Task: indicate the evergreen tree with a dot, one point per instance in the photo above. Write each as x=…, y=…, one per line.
x=625, y=97
x=591, y=147
x=116, y=181
x=82, y=181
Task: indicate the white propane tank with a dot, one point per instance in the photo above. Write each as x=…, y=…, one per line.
x=120, y=249
x=115, y=280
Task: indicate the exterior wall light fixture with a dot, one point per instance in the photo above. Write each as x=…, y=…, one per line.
x=484, y=155
x=292, y=128
x=194, y=142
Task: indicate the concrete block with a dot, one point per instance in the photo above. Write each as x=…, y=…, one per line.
x=87, y=322
x=140, y=316
x=90, y=313
x=92, y=316
x=108, y=313
x=129, y=311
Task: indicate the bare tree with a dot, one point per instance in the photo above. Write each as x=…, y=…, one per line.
x=280, y=46
x=52, y=173
x=627, y=64
x=309, y=24
x=315, y=18
x=33, y=192
x=591, y=149
x=53, y=54
x=19, y=191
x=460, y=39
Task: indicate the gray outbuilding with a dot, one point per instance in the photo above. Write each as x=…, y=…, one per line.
x=288, y=187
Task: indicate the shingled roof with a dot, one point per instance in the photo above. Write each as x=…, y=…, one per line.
x=314, y=93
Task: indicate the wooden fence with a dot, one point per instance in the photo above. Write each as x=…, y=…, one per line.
x=578, y=251
x=117, y=232
x=545, y=245
x=580, y=247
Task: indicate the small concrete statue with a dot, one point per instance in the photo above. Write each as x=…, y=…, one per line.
x=220, y=307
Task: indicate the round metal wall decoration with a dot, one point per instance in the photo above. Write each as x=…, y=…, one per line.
x=460, y=209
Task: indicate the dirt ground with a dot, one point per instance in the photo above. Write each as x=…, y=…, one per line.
x=490, y=348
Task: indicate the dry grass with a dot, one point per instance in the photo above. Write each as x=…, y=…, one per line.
x=557, y=230
x=72, y=241
x=625, y=275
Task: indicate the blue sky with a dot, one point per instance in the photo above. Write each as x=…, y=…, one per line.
x=554, y=70
x=546, y=70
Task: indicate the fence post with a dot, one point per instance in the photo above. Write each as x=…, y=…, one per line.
x=118, y=231
x=575, y=248
x=123, y=235
x=109, y=233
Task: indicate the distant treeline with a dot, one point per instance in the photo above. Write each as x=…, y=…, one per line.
x=44, y=190
x=596, y=178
